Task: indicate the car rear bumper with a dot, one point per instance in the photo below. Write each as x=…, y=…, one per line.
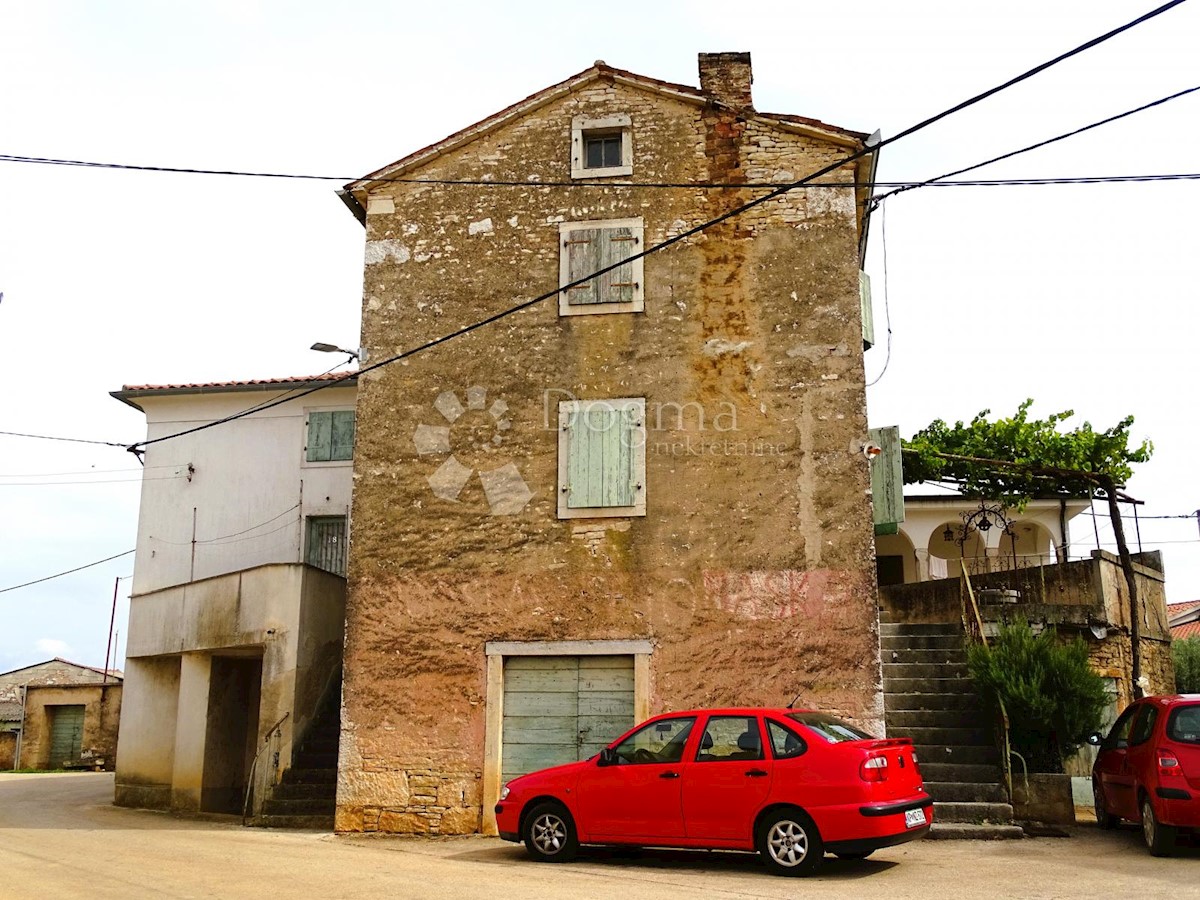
x=1182, y=813
x=867, y=845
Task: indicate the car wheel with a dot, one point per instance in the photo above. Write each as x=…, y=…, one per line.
x=1160, y=838
x=790, y=843
x=1104, y=818
x=550, y=834
x=858, y=854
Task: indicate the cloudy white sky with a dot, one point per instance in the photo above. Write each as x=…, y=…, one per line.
x=1083, y=297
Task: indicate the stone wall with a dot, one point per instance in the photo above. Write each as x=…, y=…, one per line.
x=8, y=749
x=54, y=671
x=752, y=572
x=101, y=717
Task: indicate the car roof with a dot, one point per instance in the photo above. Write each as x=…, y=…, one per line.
x=734, y=711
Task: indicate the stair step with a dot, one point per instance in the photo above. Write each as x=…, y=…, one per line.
x=928, y=686
x=963, y=792
x=899, y=720
x=307, y=760
x=973, y=813
x=934, y=656
x=915, y=700
x=921, y=641
x=319, y=745
x=945, y=737
x=964, y=773
x=923, y=670
x=297, y=775
x=921, y=629
x=314, y=823
x=276, y=807
x=318, y=791
x=958, y=831
x=957, y=754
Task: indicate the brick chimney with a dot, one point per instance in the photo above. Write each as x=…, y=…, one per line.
x=727, y=78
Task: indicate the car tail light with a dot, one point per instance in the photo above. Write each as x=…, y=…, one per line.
x=874, y=769
x=1168, y=764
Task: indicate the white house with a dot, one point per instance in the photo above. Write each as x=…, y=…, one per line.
x=238, y=606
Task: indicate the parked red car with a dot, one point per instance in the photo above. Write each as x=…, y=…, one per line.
x=1148, y=769
x=791, y=784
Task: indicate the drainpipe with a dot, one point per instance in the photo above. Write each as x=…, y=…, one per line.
x=1064, y=540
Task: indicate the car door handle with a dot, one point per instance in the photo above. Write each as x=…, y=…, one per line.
x=669, y=775
x=756, y=773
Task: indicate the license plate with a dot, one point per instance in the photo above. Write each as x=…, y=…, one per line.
x=914, y=817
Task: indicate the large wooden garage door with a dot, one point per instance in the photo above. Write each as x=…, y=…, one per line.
x=559, y=709
x=66, y=734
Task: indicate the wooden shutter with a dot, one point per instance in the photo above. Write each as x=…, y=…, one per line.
x=887, y=480
x=320, y=436
x=591, y=249
x=600, y=457
x=342, y=441
x=868, y=313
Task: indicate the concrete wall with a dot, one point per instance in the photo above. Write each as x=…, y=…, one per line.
x=101, y=717
x=752, y=571
x=288, y=617
x=249, y=491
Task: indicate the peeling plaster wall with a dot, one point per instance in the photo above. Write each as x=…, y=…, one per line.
x=753, y=570
x=101, y=716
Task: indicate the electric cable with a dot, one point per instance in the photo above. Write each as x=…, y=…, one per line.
x=68, y=572
x=886, y=305
x=48, y=437
x=870, y=147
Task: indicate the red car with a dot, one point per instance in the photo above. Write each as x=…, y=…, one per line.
x=792, y=785
x=1148, y=769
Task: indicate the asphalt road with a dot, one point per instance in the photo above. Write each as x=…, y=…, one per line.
x=61, y=838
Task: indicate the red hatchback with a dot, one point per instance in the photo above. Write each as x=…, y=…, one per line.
x=1148, y=769
x=792, y=785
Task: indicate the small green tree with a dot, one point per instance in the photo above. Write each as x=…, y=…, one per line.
x=1187, y=665
x=1053, y=698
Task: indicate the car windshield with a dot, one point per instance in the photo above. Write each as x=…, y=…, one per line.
x=831, y=728
x=1184, y=724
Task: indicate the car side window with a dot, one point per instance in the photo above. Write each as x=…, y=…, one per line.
x=1118, y=738
x=1144, y=726
x=661, y=741
x=730, y=738
x=785, y=743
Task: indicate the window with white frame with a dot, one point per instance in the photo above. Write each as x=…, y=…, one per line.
x=330, y=435
x=602, y=458
x=601, y=147
x=589, y=247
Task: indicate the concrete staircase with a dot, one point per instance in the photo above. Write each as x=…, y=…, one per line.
x=306, y=795
x=929, y=698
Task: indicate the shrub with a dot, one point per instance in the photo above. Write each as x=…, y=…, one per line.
x=1053, y=698
x=1187, y=665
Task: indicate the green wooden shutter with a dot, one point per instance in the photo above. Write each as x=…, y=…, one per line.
x=592, y=249
x=600, y=457
x=887, y=480
x=868, y=313
x=342, y=442
x=320, y=436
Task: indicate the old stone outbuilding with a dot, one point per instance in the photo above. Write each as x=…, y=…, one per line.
x=646, y=493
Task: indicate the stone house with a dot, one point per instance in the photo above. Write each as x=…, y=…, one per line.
x=58, y=713
x=238, y=603
x=647, y=493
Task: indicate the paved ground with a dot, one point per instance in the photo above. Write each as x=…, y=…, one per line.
x=60, y=838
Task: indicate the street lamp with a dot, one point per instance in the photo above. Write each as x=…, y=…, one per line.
x=333, y=348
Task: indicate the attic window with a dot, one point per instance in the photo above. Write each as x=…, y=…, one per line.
x=601, y=147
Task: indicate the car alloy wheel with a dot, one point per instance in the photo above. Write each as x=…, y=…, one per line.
x=550, y=834
x=1160, y=838
x=790, y=844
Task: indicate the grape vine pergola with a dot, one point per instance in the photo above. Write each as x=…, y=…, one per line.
x=1014, y=460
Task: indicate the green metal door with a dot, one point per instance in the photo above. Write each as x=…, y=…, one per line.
x=559, y=709
x=66, y=734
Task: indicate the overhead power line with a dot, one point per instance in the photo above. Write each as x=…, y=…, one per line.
x=68, y=572
x=869, y=148
x=48, y=437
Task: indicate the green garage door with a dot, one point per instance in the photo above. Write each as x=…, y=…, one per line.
x=559, y=709
x=66, y=734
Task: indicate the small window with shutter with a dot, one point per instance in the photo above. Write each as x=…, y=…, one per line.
x=602, y=458
x=330, y=435
x=588, y=248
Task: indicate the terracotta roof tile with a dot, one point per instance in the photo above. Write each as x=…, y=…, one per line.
x=1182, y=632
x=1174, y=609
x=202, y=385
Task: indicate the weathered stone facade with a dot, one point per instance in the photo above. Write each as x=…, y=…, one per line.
x=101, y=718
x=751, y=573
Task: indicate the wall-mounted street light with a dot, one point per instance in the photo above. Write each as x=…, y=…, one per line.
x=333, y=348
